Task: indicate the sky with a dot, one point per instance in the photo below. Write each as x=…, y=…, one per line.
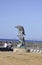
x=27, y=13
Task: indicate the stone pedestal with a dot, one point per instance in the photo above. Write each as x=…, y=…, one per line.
x=19, y=50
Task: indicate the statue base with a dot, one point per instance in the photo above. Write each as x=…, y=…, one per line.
x=19, y=50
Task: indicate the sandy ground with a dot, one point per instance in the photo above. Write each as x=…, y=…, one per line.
x=11, y=58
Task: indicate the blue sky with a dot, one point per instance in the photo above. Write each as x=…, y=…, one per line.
x=27, y=13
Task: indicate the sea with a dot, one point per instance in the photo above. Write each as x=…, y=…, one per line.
x=15, y=40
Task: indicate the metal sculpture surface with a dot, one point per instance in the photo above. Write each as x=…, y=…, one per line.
x=21, y=35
